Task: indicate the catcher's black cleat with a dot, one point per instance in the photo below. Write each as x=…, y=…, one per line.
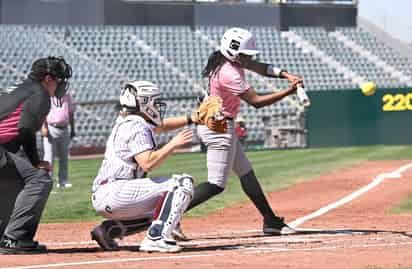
x=276, y=226
x=12, y=247
x=102, y=237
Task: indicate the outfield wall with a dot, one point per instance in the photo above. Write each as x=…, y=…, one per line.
x=347, y=117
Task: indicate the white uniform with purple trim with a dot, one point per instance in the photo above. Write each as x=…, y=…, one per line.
x=120, y=190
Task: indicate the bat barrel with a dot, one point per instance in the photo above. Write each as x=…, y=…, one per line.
x=302, y=96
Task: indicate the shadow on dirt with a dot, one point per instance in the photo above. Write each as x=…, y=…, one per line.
x=195, y=247
x=351, y=232
x=89, y=250
x=307, y=232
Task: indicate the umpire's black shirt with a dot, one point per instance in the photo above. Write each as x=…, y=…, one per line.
x=23, y=109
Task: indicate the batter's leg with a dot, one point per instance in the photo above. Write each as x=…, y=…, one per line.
x=220, y=156
x=272, y=224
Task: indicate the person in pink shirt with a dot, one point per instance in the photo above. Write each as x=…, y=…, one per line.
x=225, y=70
x=56, y=136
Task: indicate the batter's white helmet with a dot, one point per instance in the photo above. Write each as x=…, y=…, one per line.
x=143, y=97
x=237, y=41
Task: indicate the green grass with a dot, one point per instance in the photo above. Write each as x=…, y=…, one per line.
x=405, y=206
x=275, y=169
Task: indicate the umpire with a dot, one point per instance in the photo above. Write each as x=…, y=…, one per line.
x=25, y=183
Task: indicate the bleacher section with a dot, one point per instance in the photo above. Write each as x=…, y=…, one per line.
x=103, y=57
x=378, y=48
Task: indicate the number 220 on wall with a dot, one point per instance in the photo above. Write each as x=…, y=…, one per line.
x=397, y=102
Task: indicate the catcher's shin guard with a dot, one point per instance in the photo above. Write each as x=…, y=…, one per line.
x=172, y=208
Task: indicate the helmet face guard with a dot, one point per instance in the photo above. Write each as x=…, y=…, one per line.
x=144, y=97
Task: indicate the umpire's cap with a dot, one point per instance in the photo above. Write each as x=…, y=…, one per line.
x=54, y=66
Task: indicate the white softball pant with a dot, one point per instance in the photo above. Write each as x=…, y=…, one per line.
x=136, y=198
x=224, y=154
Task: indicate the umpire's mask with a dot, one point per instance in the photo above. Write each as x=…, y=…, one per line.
x=58, y=69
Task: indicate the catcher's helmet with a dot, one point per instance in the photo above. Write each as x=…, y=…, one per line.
x=143, y=97
x=237, y=41
x=55, y=67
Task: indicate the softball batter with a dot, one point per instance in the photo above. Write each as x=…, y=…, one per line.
x=122, y=193
x=225, y=71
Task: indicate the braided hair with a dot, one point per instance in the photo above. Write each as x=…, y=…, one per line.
x=215, y=61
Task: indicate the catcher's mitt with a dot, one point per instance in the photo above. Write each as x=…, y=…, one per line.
x=210, y=114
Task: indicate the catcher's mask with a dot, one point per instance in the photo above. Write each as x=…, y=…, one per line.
x=57, y=68
x=143, y=97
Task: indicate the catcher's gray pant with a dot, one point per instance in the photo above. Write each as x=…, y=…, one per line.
x=24, y=192
x=57, y=144
x=224, y=153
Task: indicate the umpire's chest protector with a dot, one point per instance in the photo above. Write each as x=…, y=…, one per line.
x=12, y=97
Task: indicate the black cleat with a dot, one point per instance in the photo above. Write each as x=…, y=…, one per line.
x=101, y=236
x=12, y=247
x=277, y=226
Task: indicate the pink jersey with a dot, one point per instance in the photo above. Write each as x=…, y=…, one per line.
x=60, y=115
x=228, y=83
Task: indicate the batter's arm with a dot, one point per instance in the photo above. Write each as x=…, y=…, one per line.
x=267, y=70
x=253, y=98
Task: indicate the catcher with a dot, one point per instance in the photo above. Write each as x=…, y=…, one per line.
x=122, y=192
x=226, y=74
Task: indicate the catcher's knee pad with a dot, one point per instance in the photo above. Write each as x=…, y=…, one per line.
x=172, y=207
x=184, y=182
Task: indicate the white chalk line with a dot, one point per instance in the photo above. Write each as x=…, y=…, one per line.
x=375, y=182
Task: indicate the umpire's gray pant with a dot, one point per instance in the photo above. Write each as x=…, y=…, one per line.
x=24, y=192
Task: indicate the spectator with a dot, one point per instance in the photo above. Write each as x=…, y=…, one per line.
x=241, y=131
x=56, y=136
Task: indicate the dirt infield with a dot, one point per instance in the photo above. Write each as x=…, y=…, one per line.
x=356, y=234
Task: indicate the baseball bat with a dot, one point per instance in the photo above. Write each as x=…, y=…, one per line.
x=302, y=96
